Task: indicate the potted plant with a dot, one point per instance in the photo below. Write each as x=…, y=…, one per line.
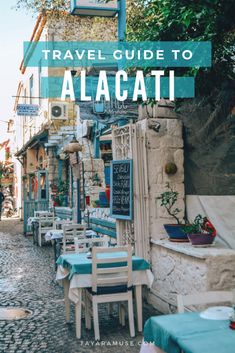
x=63, y=189
x=168, y=201
x=201, y=231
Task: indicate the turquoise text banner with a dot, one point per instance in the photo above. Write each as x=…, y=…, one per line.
x=114, y=54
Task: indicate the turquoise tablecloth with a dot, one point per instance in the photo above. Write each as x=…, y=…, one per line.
x=190, y=333
x=80, y=264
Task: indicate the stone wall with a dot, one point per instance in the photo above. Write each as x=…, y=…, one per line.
x=163, y=147
x=52, y=166
x=92, y=168
x=182, y=269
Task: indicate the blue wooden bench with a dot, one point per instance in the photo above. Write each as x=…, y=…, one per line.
x=64, y=212
x=102, y=227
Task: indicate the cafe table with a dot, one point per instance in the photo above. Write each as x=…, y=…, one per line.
x=57, y=234
x=75, y=270
x=188, y=333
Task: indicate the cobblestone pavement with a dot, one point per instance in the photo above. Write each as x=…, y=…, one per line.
x=27, y=279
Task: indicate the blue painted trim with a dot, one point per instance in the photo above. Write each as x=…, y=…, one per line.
x=103, y=222
x=122, y=20
x=116, y=216
x=96, y=141
x=39, y=196
x=72, y=5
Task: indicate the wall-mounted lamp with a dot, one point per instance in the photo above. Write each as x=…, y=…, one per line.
x=155, y=125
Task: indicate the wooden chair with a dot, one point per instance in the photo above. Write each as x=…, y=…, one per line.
x=59, y=224
x=70, y=232
x=212, y=297
x=85, y=244
x=45, y=223
x=41, y=213
x=111, y=282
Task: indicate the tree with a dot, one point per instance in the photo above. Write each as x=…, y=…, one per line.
x=186, y=20
x=57, y=13
x=39, y=6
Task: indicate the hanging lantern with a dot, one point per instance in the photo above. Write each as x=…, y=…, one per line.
x=73, y=146
x=94, y=8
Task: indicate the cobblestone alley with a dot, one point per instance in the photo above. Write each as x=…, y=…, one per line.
x=27, y=279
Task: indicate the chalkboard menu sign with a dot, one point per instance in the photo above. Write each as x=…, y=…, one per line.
x=121, y=201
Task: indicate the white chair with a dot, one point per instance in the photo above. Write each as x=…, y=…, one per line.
x=85, y=244
x=45, y=223
x=60, y=223
x=110, y=282
x=70, y=232
x=41, y=213
x=211, y=297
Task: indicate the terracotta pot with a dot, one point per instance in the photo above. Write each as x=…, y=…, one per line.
x=201, y=239
x=175, y=232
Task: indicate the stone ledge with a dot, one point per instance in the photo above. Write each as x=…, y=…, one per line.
x=188, y=249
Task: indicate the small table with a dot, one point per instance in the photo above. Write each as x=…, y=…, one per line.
x=55, y=234
x=75, y=270
x=189, y=333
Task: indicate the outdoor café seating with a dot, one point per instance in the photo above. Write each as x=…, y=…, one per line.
x=86, y=244
x=111, y=282
x=193, y=331
x=78, y=272
x=70, y=232
x=211, y=297
x=45, y=223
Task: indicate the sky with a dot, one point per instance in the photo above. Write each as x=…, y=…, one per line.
x=15, y=27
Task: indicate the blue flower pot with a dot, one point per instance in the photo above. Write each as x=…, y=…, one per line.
x=175, y=232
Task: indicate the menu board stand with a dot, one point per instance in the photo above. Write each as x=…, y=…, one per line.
x=121, y=187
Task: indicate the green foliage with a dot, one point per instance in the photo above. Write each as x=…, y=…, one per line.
x=168, y=200
x=59, y=19
x=43, y=5
x=189, y=20
x=63, y=187
x=195, y=227
x=200, y=225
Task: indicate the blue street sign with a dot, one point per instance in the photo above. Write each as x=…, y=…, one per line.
x=27, y=109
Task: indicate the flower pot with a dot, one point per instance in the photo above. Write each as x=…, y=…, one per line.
x=175, y=232
x=201, y=239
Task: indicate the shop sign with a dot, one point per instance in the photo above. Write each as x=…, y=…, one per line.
x=27, y=109
x=121, y=201
x=94, y=8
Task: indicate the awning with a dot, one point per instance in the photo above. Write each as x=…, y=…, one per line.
x=39, y=138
